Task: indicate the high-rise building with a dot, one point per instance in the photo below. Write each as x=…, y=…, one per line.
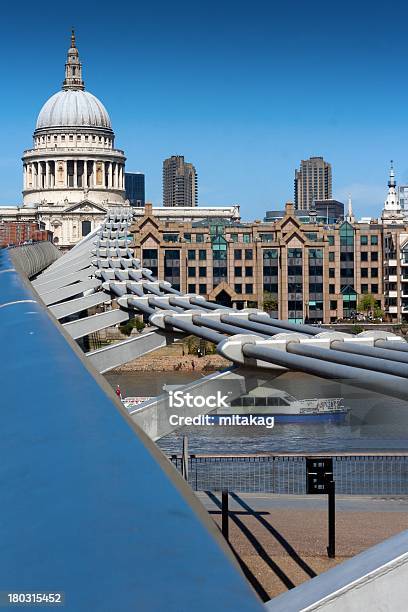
x=313, y=181
x=179, y=182
x=403, y=198
x=135, y=188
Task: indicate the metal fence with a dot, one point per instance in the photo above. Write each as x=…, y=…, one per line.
x=354, y=474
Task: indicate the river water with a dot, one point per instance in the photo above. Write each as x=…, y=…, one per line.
x=375, y=422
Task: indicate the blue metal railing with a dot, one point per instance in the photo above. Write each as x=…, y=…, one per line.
x=89, y=505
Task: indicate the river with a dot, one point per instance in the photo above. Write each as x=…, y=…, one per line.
x=376, y=422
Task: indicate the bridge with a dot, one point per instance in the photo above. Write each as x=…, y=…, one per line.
x=90, y=506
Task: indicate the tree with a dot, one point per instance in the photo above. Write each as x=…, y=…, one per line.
x=367, y=304
x=270, y=303
x=126, y=328
x=378, y=313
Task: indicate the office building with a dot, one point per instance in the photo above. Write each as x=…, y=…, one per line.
x=313, y=182
x=179, y=182
x=403, y=198
x=135, y=188
x=329, y=210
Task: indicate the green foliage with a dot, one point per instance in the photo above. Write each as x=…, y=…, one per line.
x=269, y=303
x=194, y=344
x=139, y=325
x=378, y=313
x=366, y=303
x=357, y=329
x=126, y=328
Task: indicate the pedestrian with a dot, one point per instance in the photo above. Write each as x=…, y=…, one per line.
x=118, y=392
x=193, y=364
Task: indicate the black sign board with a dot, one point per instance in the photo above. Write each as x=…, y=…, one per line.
x=319, y=475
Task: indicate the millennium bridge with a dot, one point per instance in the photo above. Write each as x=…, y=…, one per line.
x=89, y=505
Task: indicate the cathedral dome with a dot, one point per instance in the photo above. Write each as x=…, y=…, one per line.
x=73, y=108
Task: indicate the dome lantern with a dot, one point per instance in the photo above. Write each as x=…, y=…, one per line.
x=73, y=68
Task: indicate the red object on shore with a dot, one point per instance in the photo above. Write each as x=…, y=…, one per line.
x=118, y=392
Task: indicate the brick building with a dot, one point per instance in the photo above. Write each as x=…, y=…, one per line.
x=17, y=232
x=314, y=271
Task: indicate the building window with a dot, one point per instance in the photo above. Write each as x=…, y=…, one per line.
x=364, y=288
x=364, y=272
x=202, y=254
x=333, y=304
x=238, y=288
x=363, y=240
x=86, y=228
x=249, y=288
x=234, y=237
x=374, y=288
x=332, y=272
x=246, y=238
x=249, y=254
x=191, y=288
x=191, y=272
x=331, y=240
x=374, y=272
x=332, y=289
x=170, y=237
x=374, y=256
x=191, y=254
x=237, y=254
x=238, y=271
x=374, y=239
x=364, y=256
x=187, y=237
x=331, y=256
x=202, y=272
x=249, y=271
x=199, y=237
x=202, y=289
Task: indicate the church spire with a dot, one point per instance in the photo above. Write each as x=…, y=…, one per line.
x=350, y=216
x=391, y=206
x=73, y=68
x=391, y=181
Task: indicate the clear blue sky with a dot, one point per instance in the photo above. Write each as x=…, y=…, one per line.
x=244, y=90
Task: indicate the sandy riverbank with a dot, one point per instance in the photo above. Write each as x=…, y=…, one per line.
x=157, y=362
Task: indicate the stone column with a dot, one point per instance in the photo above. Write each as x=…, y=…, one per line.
x=85, y=175
x=40, y=176
x=75, y=173
x=115, y=176
x=47, y=175
x=110, y=175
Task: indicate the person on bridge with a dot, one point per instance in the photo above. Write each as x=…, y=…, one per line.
x=118, y=392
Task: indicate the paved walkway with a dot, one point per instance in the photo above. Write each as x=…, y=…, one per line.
x=281, y=539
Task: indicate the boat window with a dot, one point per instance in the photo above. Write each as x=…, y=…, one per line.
x=248, y=401
x=261, y=401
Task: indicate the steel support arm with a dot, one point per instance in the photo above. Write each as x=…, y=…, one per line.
x=356, y=361
x=89, y=325
x=375, y=381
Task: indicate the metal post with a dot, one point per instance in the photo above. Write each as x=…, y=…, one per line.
x=225, y=513
x=331, y=549
x=184, y=458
